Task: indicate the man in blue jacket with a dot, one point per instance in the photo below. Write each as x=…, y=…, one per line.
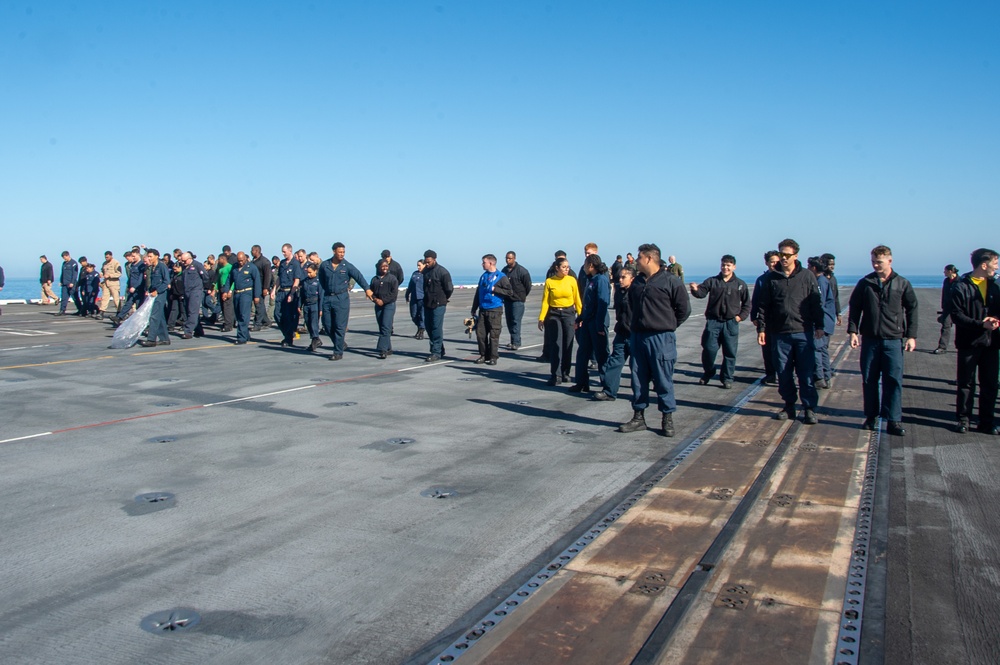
x=335, y=275
x=488, y=302
x=67, y=281
x=157, y=285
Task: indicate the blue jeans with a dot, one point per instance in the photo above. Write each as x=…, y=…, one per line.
x=882, y=359
x=336, y=311
x=795, y=356
x=417, y=313
x=384, y=316
x=653, y=357
x=612, y=370
x=513, y=310
x=727, y=335
x=434, y=325
x=65, y=293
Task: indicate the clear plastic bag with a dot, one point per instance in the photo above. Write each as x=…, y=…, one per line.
x=128, y=333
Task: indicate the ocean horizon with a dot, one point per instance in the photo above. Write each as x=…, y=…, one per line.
x=29, y=289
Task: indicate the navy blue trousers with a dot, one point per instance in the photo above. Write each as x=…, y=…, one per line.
x=795, y=356
x=882, y=361
x=383, y=317
x=336, y=311
x=311, y=314
x=242, y=306
x=592, y=344
x=434, y=325
x=653, y=358
x=513, y=311
x=287, y=314
x=612, y=371
x=417, y=313
x=158, y=320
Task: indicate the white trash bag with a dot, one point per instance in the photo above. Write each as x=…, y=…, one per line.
x=128, y=333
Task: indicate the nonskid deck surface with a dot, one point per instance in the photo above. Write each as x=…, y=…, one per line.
x=373, y=511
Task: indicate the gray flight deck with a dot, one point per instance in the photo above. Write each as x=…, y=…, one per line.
x=371, y=511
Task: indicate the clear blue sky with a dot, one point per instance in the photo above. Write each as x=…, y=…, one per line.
x=479, y=126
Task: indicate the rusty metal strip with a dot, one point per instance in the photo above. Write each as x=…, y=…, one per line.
x=849, y=638
x=469, y=636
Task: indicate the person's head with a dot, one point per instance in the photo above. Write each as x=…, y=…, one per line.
x=590, y=248
x=629, y=257
x=815, y=265
x=82, y=261
x=209, y=262
x=671, y=259
x=984, y=262
x=313, y=258
x=511, y=258
x=241, y=258
x=223, y=260
x=420, y=264
x=788, y=253
x=489, y=263
x=256, y=251
x=430, y=258
x=951, y=271
x=560, y=267
x=625, y=278
x=383, y=267
x=177, y=252
x=648, y=262
x=65, y=256
x=618, y=258
x=560, y=253
x=771, y=259
x=312, y=270
x=108, y=255
x=286, y=251
x=386, y=255
x=829, y=262
x=186, y=258
x=300, y=256
x=727, y=265
x=593, y=265
x=275, y=261
x=43, y=259
x=881, y=260
x=339, y=250
x=89, y=267
x=152, y=256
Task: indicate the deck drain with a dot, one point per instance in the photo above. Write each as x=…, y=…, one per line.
x=439, y=493
x=721, y=494
x=809, y=447
x=162, y=439
x=344, y=404
x=651, y=583
x=401, y=440
x=166, y=404
x=735, y=596
x=169, y=622
x=155, y=497
x=782, y=500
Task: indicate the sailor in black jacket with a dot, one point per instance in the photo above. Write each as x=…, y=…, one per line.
x=790, y=316
x=385, y=291
x=975, y=311
x=659, y=304
x=520, y=281
x=437, y=291
x=728, y=305
x=884, y=313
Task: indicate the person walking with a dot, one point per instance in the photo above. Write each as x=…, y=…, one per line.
x=437, y=292
x=513, y=305
x=414, y=296
x=975, y=311
x=261, y=318
x=245, y=290
x=592, y=323
x=335, y=275
x=67, y=281
x=384, y=288
x=944, y=316
x=791, y=314
x=157, y=284
x=561, y=304
x=111, y=273
x=45, y=278
x=728, y=305
x=659, y=304
x=824, y=370
x=883, y=311
x=488, y=302
x=767, y=349
x=286, y=296
x=223, y=291
x=620, y=348
x=195, y=281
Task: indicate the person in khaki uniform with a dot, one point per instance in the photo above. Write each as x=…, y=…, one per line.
x=111, y=274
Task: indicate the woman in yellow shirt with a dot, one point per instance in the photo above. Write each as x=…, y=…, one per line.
x=560, y=306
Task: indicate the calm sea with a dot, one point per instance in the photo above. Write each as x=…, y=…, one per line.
x=27, y=289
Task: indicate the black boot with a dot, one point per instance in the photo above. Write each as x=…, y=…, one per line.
x=667, y=424
x=637, y=423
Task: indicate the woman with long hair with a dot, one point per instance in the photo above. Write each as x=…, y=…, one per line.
x=593, y=323
x=560, y=306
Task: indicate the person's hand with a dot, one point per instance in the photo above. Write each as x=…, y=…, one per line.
x=602, y=333
x=288, y=299
x=761, y=339
x=854, y=340
x=738, y=319
x=840, y=320
x=911, y=344
x=818, y=334
x=256, y=300
x=541, y=325
x=694, y=287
